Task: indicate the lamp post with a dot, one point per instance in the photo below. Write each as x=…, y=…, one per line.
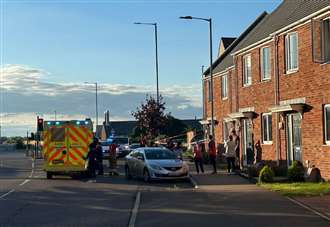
x=156, y=47
x=209, y=20
x=96, y=104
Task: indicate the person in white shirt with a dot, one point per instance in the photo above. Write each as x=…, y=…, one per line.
x=230, y=154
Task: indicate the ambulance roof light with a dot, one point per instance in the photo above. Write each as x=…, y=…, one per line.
x=57, y=123
x=86, y=122
x=78, y=122
x=49, y=123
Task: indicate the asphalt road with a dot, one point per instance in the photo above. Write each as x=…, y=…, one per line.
x=27, y=198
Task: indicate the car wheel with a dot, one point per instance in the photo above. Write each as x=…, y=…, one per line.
x=146, y=176
x=128, y=173
x=49, y=175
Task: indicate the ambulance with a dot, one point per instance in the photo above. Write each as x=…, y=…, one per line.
x=65, y=146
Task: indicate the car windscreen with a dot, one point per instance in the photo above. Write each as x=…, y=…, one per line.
x=105, y=143
x=159, y=154
x=120, y=140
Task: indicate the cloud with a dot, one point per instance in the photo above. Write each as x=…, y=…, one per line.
x=25, y=93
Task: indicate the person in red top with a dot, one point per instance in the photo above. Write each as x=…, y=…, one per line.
x=213, y=154
x=198, y=157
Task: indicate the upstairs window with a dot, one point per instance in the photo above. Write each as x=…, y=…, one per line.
x=267, y=128
x=321, y=40
x=247, y=71
x=265, y=63
x=327, y=124
x=209, y=91
x=291, y=52
x=224, y=86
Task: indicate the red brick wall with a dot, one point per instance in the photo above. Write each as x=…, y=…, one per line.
x=312, y=81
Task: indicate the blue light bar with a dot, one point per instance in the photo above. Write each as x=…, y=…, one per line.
x=78, y=122
x=57, y=123
x=86, y=122
x=49, y=123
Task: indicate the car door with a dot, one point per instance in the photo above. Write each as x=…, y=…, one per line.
x=139, y=166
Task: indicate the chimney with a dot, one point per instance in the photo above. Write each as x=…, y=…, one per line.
x=224, y=43
x=107, y=117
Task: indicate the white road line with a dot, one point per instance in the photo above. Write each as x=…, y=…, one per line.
x=24, y=182
x=4, y=195
x=135, y=210
x=308, y=208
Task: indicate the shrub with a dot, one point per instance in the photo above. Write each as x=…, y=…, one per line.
x=266, y=175
x=280, y=171
x=296, y=172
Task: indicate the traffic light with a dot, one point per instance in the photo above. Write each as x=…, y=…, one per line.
x=40, y=124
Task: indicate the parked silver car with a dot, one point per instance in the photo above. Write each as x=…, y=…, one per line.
x=152, y=163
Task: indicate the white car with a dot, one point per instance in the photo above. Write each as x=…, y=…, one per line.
x=151, y=163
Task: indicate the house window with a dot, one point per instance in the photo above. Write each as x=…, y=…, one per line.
x=267, y=128
x=327, y=124
x=325, y=40
x=247, y=74
x=291, y=52
x=209, y=91
x=265, y=63
x=224, y=86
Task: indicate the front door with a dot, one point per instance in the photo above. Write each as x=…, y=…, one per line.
x=247, y=155
x=293, y=126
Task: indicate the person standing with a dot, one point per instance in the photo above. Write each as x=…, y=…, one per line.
x=237, y=142
x=178, y=150
x=212, y=154
x=113, y=159
x=91, y=157
x=230, y=154
x=198, y=157
x=99, y=158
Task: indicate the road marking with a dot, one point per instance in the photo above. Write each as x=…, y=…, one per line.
x=24, y=182
x=308, y=208
x=8, y=193
x=135, y=210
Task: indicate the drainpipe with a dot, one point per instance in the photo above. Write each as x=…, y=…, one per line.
x=277, y=99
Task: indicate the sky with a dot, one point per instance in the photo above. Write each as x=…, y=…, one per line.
x=49, y=48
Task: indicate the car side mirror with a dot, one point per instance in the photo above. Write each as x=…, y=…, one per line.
x=140, y=158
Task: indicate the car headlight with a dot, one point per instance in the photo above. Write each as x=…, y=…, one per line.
x=126, y=147
x=155, y=167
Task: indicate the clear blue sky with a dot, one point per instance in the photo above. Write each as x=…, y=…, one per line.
x=78, y=40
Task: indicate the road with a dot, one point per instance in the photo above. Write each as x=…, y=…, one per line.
x=27, y=198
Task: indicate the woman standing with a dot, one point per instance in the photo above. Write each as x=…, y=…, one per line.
x=231, y=147
x=198, y=157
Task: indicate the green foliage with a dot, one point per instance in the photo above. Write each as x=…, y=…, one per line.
x=296, y=172
x=266, y=175
x=280, y=171
x=150, y=117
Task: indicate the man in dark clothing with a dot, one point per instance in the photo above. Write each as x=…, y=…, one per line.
x=99, y=158
x=92, y=157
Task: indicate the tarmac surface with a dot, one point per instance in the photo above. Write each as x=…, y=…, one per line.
x=27, y=198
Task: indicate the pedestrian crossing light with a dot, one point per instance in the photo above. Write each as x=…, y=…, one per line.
x=40, y=124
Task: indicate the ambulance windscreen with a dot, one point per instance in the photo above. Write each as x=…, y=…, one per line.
x=57, y=134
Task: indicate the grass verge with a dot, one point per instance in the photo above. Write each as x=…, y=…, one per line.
x=299, y=189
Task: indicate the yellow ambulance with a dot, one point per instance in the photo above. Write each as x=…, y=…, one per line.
x=66, y=145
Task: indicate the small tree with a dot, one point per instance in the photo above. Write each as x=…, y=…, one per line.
x=150, y=117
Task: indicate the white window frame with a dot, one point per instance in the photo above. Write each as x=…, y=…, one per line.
x=288, y=63
x=265, y=75
x=224, y=86
x=247, y=72
x=267, y=129
x=209, y=96
x=324, y=41
x=327, y=142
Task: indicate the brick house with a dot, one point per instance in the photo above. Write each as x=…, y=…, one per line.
x=272, y=85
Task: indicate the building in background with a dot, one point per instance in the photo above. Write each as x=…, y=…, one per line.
x=272, y=86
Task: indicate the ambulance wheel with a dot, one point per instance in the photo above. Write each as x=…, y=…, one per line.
x=128, y=173
x=49, y=175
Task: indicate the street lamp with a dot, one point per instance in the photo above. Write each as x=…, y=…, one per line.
x=156, y=43
x=96, y=105
x=209, y=20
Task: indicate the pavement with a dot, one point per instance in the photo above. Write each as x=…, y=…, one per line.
x=27, y=198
